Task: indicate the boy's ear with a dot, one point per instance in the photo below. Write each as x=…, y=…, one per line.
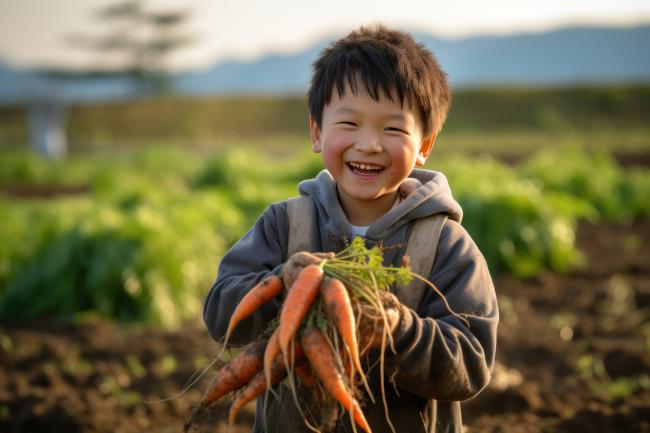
x=314, y=130
x=425, y=149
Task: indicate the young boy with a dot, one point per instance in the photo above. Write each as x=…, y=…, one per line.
x=377, y=100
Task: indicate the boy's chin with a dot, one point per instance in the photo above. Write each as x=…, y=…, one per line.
x=370, y=196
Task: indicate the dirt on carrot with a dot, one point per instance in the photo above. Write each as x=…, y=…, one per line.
x=231, y=377
x=237, y=372
x=257, y=386
x=322, y=360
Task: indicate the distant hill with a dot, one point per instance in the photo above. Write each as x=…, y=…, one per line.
x=560, y=57
x=566, y=56
x=273, y=73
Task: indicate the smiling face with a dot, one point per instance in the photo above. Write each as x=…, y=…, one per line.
x=369, y=147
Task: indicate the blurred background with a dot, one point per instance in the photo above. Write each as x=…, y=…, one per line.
x=140, y=139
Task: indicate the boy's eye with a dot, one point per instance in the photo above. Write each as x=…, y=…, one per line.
x=394, y=129
x=345, y=122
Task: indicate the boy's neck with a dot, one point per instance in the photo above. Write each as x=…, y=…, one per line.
x=365, y=212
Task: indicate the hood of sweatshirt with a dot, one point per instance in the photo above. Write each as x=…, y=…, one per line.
x=424, y=193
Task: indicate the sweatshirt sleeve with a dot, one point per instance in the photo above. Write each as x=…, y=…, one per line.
x=260, y=253
x=437, y=355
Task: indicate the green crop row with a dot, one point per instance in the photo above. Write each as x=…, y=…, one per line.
x=138, y=236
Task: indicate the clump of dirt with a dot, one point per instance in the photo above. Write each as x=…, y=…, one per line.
x=573, y=355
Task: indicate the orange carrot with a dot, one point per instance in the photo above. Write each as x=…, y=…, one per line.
x=338, y=306
x=257, y=386
x=297, y=303
x=236, y=373
x=321, y=358
x=259, y=295
x=260, y=382
x=272, y=350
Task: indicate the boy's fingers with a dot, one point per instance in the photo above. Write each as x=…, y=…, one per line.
x=372, y=331
x=324, y=255
x=372, y=325
x=296, y=263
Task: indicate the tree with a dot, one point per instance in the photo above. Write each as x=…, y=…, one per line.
x=143, y=39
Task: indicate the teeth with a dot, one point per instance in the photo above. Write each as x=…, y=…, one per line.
x=361, y=166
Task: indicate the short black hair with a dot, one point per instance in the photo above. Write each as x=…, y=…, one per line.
x=383, y=60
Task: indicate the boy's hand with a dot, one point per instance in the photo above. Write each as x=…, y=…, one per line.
x=297, y=262
x=372, y=325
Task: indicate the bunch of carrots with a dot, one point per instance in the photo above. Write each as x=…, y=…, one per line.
x=316, y=340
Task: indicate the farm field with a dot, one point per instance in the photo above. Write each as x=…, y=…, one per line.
x=106, y=256
x=572, y=357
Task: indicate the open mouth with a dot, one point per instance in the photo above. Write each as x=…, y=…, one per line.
x=365, y=169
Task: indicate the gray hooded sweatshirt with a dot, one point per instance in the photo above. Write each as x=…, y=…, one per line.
x=438, y=361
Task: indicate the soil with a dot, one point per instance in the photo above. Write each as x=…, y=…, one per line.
x=573, y=356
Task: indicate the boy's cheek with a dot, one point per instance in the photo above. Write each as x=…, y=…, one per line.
x=398, y=169
x=404, y=161
x=332, y=163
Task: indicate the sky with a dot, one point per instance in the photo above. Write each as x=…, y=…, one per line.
x=38, y=32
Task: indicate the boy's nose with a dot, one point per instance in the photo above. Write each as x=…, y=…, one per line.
x=369, y=143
